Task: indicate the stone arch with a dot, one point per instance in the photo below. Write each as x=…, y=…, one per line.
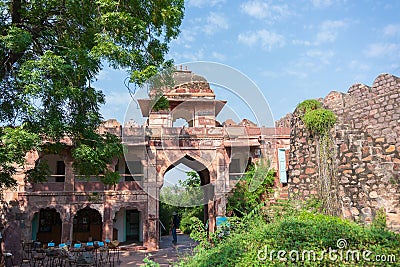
x=49, y=227
x=169, y=158
x=120, y=222
x=139, y=206
x=78, y=207
x=87, y=224
x=62, y=210
x=195, y=165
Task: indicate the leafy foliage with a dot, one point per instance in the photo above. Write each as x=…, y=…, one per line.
x=161, y=103
x=51, y=52
x=319, y=121
x=253, y=240
x=14, y=143
x=182, y=200
x=316, y=118
x=308, y=105
x=246, y=196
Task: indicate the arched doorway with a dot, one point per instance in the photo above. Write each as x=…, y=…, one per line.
x=128, y=225
x=87, y=225
x=182, y=189
x=46, y=226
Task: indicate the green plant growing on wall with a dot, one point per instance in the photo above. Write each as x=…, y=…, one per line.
x=252, y=190
x=319, y=121
x=161, y=103
x=379, y=220
x=308, y=105
x=159, y=83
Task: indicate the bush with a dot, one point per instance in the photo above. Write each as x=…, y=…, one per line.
x=252, y=190
x=254, y=242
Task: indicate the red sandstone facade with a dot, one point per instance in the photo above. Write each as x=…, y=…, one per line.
x=68, y=208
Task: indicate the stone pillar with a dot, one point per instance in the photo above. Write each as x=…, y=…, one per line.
x=222, y=184
x=66, y=232
x=151, y=225
x=107, y=222
x=66, y=227
x=211, y=216
x=69, y=182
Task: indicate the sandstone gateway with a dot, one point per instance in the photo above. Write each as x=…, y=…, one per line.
x=72, y=208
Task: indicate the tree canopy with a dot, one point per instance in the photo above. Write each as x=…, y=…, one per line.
x=51, y=52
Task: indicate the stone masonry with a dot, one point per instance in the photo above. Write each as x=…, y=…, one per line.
x=366, y=149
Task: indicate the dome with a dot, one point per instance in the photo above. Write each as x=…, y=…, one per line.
x=188, y=85
x=187, y=76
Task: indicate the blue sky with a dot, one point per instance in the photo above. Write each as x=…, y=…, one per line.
x=292, y=50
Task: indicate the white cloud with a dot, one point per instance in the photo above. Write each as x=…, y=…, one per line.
x=266, y=39
x=322, y=3
x=301, y=42
x=356, y=65
x=329, y=31
x=382, y=49
x=214, y=23
x=188, y=56
x=116, y=105
x=185, y=38
x=265, y=10
x=326, y=3
x=391, y=30
x=204, y=3
x=104, y=75
x=319, y=55
x=218, y=56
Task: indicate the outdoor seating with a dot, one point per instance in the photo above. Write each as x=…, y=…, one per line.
x=38, y=257
x=96, y=253
x=8, y=259
x=26, y=253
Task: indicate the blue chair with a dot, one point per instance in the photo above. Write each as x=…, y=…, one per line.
x=108, y=240
x=77, y=245
x=100, y=243
x=89, y=244
x=62, y=245
x=51, y=244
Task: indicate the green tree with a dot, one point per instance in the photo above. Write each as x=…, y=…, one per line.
x=51, y=52
x=182, y=199
x=251, y=190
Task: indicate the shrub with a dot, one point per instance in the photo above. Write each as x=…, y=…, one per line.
x=308, y=105
x=253, y=240
x=319, y=121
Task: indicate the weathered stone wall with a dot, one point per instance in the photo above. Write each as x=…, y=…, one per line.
x=366, y=149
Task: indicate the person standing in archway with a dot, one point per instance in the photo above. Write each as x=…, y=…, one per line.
x=174, y=226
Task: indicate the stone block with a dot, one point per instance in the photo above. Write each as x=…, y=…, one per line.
x=390, y=149
x=355, y=211
x=373, y=194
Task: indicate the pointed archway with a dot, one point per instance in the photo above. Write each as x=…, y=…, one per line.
x=46, y=226
x=87, y=225
x=201, y=196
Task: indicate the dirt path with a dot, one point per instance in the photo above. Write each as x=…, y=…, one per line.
x=167, y=254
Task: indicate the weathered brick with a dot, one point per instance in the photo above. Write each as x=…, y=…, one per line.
x=390, y=149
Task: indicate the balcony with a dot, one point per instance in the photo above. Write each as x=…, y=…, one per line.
x=53, y=183
x=127, y=182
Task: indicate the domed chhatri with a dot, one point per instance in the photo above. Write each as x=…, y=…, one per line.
x=187, y=85
x=189, y=97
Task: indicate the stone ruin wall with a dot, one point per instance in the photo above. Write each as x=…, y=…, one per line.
x=366, y=148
